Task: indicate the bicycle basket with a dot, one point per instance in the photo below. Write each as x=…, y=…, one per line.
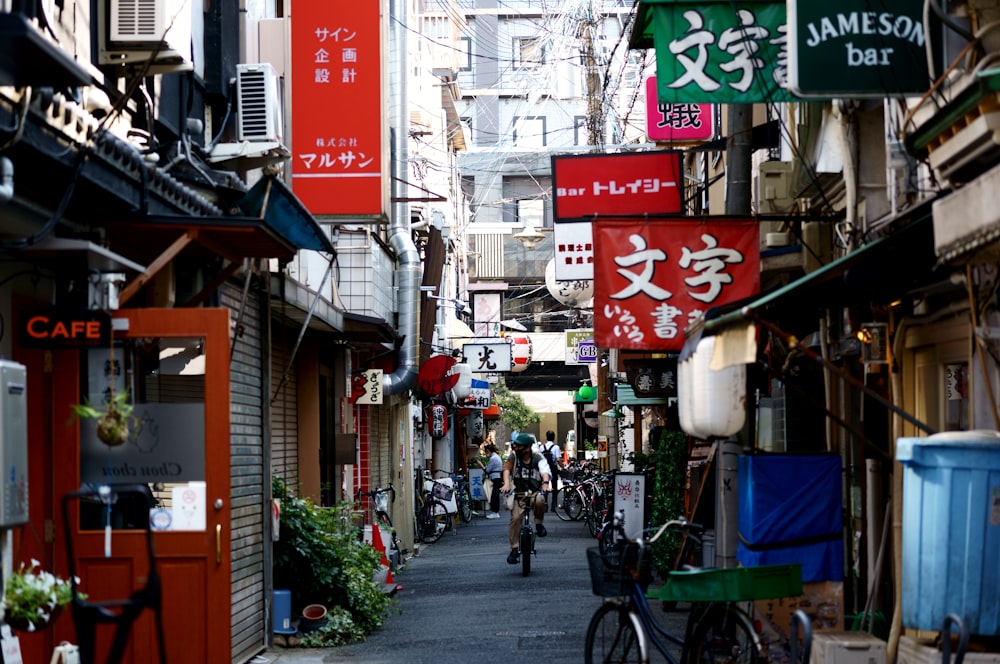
x=442, y=491
x=613, y=574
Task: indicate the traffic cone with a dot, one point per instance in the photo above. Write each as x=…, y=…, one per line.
x=390, y=586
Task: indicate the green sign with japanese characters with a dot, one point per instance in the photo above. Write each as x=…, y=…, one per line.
x=857, y=48
x=716, y=52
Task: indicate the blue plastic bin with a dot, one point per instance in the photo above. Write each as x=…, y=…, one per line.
x=951, y=529
x=283, y=612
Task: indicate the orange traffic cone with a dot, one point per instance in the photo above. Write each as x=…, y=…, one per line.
x=390, y=586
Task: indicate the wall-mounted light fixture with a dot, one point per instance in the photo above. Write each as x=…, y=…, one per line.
x=461, y=306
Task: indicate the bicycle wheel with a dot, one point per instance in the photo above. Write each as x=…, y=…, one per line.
x=594, y=520
x=465, y=505
x=432, y=522
x=614, y=635
x=526, y=548
x=607, y=538
x=569, y=506
x=723, y=635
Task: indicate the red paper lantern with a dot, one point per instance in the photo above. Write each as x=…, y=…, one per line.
x=438, y=421
x=520, y=352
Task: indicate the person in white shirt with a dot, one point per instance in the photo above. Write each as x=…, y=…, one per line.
x=524, y=471
x=550, y=450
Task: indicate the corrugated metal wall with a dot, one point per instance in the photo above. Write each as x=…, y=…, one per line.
x=284, y=409
x=247, y=477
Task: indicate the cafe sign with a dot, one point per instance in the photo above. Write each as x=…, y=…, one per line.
x=64, y=328
x=856, y=48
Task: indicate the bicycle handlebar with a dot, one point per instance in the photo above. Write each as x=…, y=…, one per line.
x=680, y=522
x=391, y=490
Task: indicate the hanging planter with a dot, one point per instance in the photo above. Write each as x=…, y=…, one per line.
x=113, y=423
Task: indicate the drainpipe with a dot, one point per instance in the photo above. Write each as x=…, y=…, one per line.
x=400, y=238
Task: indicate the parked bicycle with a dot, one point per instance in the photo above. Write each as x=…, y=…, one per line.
x=432, y=515
x=718, y=630
x=379, y=499
x=463, y=497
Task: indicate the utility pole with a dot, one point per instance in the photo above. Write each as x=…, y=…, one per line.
x=739, y=148
x=595, y=94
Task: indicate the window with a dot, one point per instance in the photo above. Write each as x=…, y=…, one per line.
x=529, y=52
x=531, y=213
x=529, y=131
x=465, y=54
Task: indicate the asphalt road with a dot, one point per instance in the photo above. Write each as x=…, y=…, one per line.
x=461, y=602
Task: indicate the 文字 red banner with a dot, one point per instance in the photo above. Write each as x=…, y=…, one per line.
x=653, y=278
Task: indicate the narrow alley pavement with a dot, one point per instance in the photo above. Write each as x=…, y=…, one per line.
x=461, y=602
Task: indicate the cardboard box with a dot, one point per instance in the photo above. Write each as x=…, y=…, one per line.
x=915, y=651
x=822, y=601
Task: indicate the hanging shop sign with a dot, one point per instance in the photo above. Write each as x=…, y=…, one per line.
x=435, y=376
x=857, y=48
x=677, y=123
x=64, y=328
x=588, y=185
x=438, y=421
x=475, y=426
x=488, y=355
x=580, y=347
x=718, y=52
x=653, y=377
x=574, y=251
x=479, y=396
x=655, y=277
x=366, y=387
x=336, y=56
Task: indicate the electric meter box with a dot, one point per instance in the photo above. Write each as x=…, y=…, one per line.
x=832, y=647
x=13, y=444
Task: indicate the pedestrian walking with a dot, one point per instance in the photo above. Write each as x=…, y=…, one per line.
x=493, y=468
x=550, y=450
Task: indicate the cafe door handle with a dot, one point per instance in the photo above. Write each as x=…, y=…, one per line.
x=218, y=543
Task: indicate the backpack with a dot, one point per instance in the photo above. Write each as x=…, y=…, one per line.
x=550, y=458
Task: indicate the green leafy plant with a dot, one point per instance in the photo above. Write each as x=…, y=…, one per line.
x=33, y=595
x=321, y=558
x=113, y=423
x=514, y=413
x=669, y=467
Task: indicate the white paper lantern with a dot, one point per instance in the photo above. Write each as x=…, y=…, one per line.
x=719, y=397
x=578, y=293
x=463, y=387
x=520, y=352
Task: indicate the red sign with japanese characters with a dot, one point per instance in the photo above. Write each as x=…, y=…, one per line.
x=337, y=107
x=677, y=122
x=654, y=278
x=636, y=183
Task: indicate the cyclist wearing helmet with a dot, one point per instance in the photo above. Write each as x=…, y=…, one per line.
x=525, y=470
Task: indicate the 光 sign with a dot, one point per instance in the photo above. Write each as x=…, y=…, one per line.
x=856, y=48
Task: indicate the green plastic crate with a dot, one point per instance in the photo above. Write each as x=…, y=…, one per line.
x=732, y=584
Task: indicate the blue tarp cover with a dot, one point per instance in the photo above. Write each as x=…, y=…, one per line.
x=790, y=512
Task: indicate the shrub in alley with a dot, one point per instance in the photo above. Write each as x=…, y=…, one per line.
x=321, y=558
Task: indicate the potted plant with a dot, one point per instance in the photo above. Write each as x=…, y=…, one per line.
x=34, y=598
x=112, y=422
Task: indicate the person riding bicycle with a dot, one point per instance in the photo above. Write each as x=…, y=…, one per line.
x=523, y=471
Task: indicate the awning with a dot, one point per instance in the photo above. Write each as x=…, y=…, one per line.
x=627, y=397
x=881, y=271
x=284, y=214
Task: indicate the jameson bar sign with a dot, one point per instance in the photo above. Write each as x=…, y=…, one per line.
x=856, y=48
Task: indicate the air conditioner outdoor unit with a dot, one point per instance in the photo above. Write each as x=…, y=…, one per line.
x=258, y=102
x=134, y=32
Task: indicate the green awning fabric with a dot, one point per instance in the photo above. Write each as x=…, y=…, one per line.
x=627, y=397
x=881, y=271
x=284, y=214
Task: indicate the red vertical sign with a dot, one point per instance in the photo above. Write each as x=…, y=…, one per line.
x=337, y=107
x=654, y=278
